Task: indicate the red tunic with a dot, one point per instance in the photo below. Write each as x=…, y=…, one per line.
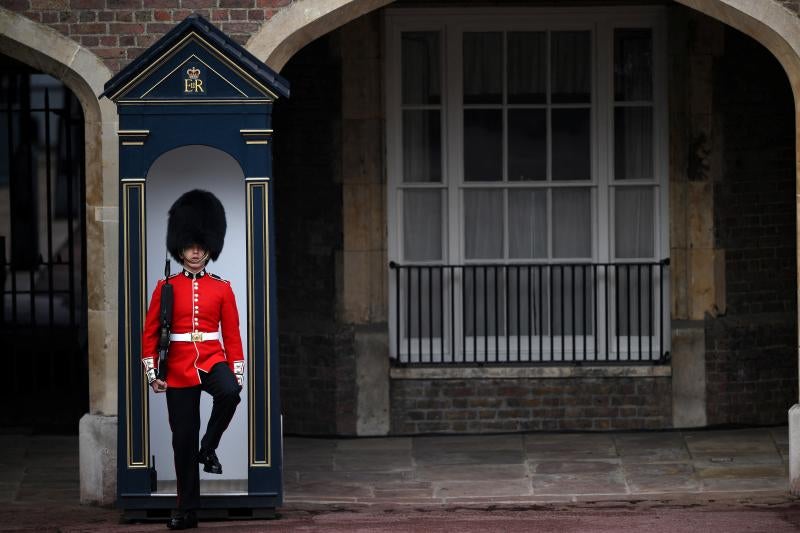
x=205, y=303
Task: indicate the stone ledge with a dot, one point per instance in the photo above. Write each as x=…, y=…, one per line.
x=547, y=372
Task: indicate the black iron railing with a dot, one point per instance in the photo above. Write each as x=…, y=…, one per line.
x=569, y=313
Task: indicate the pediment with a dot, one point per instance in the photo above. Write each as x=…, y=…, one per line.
x=195, y=63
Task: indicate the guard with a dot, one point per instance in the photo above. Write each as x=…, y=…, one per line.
x=204, y=309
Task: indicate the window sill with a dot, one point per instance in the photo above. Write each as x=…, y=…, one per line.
x=548, y=372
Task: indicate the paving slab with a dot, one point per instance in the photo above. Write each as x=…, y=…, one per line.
x=659, y=447
x=464, y=443
x=375, y=444
x=380, y=460
x=482, y=489
x=661, y=477
x=475, y=472
x=490, y=457
x=570, y=446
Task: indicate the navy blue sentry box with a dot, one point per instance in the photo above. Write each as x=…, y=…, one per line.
x=196, y=86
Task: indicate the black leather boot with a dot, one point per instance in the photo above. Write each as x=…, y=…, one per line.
x=183, y=520
x=210, y=462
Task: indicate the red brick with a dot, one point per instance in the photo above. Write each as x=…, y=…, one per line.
x=90, y=40
x=49, y=16
x=127, y=40
x=238, y=14
x=125, y=4
x=236, y=3
x=272, y=3
x=109, y=40
x=87, y=16
x=219, y=15
x=110, y=52
x=144, y=15
x=162, y=15
x=195, y=4
x=125, y=28
x=124, y=16
x=68, y=16
x=16, y=5
x=61, y=28
x=240, y=27
x=255, y=14
x=162, y=4
x=146, y=41
x=88, y=28
x=159, y=27
x=36, y=16
x=87, y=4
x=105, y=16
x=49, y=4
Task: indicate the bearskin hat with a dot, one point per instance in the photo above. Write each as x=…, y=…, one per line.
x=197, y=217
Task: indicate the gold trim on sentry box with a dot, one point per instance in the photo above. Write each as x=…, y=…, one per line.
x=264, y=327
x=128, y=186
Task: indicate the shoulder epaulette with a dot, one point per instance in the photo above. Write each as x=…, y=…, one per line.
x=218, y=278
x=171, y=276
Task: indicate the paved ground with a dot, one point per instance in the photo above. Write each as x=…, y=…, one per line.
x=537, y=467
x=731, y=480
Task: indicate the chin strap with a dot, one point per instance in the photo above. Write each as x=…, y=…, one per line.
x=238, y=371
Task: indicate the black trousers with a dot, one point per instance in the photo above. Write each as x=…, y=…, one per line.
x=183, y=406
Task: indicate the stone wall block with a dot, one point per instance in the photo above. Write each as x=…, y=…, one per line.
x=98, y=459
x=364, y=217
x=362, y=151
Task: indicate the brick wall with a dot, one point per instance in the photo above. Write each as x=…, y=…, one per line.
x=118, y=31
x=308, y=207
x=500, y=405
x=751, y=357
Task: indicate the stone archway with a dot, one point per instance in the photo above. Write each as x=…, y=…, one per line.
x=84, y=73
x=769, y=23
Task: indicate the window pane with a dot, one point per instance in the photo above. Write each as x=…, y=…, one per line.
x=527, y=224
x=572, y=223
x=483, y=145
x=422, y=145
x=527, y=67
x=483, y=224
x=422, y=225
x=420, y=68
x=483, y=68
x=527, y=144
x=633, y=64
x=571, y=144
x=634, y=219
x=633, y=143
x=571, y=67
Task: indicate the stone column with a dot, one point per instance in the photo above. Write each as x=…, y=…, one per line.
x=364, y=260
x=697, y=266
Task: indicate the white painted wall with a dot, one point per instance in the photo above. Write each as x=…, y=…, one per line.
x=178, y=171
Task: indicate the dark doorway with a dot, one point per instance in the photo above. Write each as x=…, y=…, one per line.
x=43, y=330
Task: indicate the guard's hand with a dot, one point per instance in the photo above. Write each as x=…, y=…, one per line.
x=159, y=386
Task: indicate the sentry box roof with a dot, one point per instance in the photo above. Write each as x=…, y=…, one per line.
x=195, y=63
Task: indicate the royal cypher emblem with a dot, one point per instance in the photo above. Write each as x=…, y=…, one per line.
x=193, y=84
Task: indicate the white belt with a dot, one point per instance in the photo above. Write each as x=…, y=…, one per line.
x=195, y=336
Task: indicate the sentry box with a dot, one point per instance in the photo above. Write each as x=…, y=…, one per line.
x=195, y=112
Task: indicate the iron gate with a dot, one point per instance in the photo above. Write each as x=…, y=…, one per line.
x=43, y=317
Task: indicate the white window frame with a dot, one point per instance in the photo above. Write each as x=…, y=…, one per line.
x=451, y=23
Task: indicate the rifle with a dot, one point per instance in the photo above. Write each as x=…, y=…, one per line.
x=166, y=324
